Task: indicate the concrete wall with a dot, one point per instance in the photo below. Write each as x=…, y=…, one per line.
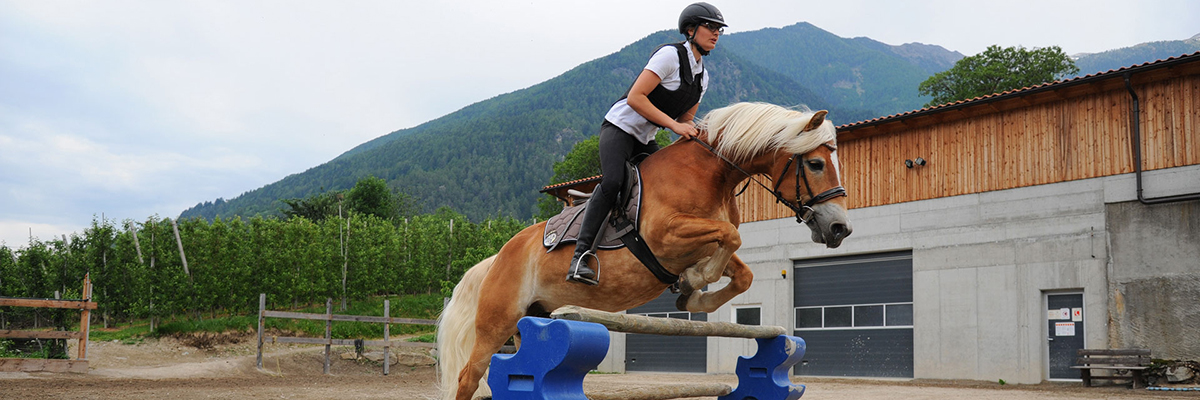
x=1154, y=269
x=1155, y=278
x=982, y=265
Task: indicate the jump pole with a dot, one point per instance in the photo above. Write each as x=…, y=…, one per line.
x=556, y=354
x=665, y=326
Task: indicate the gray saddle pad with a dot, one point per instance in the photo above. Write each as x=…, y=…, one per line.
x=564, y=227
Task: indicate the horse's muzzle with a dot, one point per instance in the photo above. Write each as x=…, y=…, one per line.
x=829, y=231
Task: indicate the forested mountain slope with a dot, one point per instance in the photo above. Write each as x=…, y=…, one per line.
x=1133, y=55
x=490, y=158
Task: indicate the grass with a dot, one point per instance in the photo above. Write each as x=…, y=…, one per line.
x=133, y=333
x=426, y=338
x=9, y=349
x=411, y=306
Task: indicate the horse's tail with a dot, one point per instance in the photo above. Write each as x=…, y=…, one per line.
x=456, y=328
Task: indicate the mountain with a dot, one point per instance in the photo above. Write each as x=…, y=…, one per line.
x=490, y=158
x=1137, y=54
x=859, y=73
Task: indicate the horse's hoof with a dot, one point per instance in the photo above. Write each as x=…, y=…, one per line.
x=681, y=302
x=684, y=288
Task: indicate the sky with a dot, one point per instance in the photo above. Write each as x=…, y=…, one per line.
x=128, y=109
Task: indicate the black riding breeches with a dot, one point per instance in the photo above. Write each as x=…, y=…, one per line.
x=616, y=146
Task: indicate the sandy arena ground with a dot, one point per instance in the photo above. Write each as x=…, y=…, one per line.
x=167, y=369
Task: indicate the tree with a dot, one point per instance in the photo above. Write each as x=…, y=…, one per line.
x=997, y=70
x=370, y=195
x=313, y=208
x=583, y=161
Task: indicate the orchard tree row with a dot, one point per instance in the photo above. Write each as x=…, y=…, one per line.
x=138, y=271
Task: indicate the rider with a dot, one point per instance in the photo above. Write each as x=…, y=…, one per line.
x=665, y=95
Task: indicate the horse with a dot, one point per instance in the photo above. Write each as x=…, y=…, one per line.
x=688, y=218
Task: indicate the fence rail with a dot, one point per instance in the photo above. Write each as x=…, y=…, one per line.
x=78, y=365
x=328, y=340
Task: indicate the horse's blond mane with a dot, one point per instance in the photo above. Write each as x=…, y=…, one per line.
x=743, y=130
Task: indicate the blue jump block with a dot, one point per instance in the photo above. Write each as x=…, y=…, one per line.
x=554, y=357
x=765, y=376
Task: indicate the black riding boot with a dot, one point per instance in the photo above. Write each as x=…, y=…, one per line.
x=593, y=219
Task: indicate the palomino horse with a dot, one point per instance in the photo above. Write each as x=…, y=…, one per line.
x=689, y=219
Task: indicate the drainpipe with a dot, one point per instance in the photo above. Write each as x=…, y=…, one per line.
x=1136, y=128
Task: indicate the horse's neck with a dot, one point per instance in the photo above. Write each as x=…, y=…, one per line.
x=691, y=164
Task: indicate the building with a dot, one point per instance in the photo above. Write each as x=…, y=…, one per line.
x=1031, y=223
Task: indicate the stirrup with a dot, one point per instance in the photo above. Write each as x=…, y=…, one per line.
x=574, y=276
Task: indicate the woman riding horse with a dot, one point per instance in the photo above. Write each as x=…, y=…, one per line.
x=665, y=95
x=689, y=219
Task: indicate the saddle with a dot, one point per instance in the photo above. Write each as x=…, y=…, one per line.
x=564, y=227
x=620, y=229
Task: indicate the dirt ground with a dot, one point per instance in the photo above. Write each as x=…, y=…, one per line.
x=169, y=369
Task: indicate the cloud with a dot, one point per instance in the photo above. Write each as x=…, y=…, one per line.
x=133, y=108
x=16, y=234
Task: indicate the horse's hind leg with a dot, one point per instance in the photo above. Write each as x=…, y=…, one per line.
x=740, y=279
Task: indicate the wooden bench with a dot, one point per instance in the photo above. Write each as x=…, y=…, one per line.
x=1123, y=363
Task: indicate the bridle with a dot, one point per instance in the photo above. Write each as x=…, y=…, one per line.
x=804, y=212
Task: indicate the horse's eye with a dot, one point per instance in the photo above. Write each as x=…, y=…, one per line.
x=816, y=165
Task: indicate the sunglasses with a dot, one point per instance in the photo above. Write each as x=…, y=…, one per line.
x=714, y=27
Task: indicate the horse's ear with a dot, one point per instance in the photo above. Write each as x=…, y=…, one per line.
x=817, y=119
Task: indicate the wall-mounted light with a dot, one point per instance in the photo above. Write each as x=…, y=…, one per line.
x=920, y=162
x=783, y=273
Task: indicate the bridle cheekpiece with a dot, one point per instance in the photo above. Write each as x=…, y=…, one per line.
x=804, y=211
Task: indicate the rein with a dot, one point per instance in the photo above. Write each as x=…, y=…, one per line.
x=804, y=212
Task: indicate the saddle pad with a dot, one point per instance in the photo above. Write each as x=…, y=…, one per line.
x=564, y=227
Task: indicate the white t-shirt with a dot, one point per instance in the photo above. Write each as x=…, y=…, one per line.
x=665, y=64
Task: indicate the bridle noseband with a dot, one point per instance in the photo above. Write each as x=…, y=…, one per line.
x=804, y=212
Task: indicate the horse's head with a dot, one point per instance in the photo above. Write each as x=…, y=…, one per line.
x=810, y=184
x=798, y=150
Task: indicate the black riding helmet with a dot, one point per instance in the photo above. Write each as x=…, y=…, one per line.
x=696, y=14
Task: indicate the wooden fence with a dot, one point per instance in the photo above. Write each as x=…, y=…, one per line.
x=328, y=340
x=78, y=365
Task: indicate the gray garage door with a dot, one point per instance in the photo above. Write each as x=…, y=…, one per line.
x=855, y=314
x=655, y=353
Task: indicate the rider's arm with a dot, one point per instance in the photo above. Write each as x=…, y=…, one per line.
x=689, y=117
x=645, y=83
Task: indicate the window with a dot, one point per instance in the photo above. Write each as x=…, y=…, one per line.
x=808, y=317
x=854, y=316
x=838, y=317
x=868, y=316
x=747, y=315
x=672, y=315
x=680, y=315
x=899, y=314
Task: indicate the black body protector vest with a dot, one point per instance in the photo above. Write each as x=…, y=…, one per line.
x=676, y=102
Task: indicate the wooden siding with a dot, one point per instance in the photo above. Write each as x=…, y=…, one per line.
x=1077, y=132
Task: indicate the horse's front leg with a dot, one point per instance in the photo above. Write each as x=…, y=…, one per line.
x=709, y=244
x=740, y=278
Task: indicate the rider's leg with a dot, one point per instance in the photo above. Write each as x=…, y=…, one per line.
x=616, y=146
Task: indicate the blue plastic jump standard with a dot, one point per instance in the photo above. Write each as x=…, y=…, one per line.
x=554, y=357
x=765, y=376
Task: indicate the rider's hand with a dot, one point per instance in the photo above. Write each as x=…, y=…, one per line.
x=685, y=129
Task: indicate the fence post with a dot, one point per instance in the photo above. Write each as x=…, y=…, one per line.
x=86, y=317
x=387, y=341
x=262, y=306
x=328, y=330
